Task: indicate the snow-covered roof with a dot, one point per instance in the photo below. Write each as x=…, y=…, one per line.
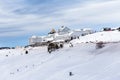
x=61, y=40
x=34, y=37
x=64, y=29
x=77, y=30
x=49, y=39
x=86, y=29
x=38, y=36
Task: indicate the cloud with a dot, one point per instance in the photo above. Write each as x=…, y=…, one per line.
x=90, y=12
x=21, y=17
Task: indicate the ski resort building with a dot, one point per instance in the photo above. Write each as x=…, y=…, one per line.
x=64, y=30
x=64, y=34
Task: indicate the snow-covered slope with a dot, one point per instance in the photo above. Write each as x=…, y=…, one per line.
x=105, y=36
x=83, y=60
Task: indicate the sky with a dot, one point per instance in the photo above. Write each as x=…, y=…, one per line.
x=20, y=19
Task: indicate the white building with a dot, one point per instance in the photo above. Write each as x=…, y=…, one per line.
x=36, y=39
x=86, y=31
x=81, y=32
x=63, y=34
x=64, y=30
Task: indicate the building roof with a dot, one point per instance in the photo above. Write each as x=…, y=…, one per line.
x=64, y=29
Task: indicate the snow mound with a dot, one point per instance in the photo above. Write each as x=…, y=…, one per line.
x=105, y=36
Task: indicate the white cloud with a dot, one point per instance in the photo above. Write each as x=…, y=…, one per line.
x=95, y=12
x=103, y=11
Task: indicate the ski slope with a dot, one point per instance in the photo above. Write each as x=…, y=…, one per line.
x=83, y=60
x=105, y=36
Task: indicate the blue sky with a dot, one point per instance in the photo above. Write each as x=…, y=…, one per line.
x=20, y=19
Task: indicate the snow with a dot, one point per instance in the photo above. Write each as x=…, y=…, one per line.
x=83, y=60
x=105, y=36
